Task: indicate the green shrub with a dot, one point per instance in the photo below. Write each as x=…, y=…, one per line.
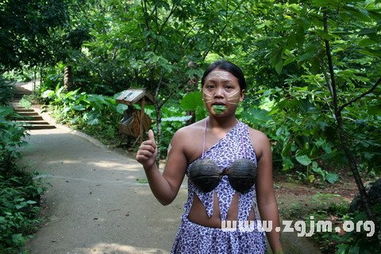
x=19, y=209
x=11, y=135
x=19, y=193
x=97, y=115
x=338, y=212
x=6, y=91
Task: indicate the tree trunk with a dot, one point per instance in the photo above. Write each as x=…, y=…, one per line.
x=158, y=132
x=68, y=77
x=331, y=84
x=353, y=165
x=41, y=76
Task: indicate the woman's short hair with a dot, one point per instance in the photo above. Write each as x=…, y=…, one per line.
x=226, y=66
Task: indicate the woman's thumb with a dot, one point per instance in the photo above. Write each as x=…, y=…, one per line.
x=151, y=135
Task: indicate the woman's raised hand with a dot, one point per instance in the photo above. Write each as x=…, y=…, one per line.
x=147, y=152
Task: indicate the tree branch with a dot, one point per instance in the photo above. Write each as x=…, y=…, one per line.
x=186, y=35
x=174, y=6
x=144, y=6
x=220, y=32
x=154, y=10
x=343, y=140
x=173, y=91
x=361, y=95
x=332, y=84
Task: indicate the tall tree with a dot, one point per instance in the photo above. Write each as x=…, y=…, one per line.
x=25, y=31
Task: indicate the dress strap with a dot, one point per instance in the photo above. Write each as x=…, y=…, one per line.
x=204, y=142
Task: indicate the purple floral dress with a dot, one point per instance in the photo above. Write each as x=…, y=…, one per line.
x=195, y=238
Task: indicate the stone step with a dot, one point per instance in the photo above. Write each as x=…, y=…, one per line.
x=23, y=110
x=18, y=96
x=29, y=113
x=28, y=118
x=37, y=122
x=39, y=127
x=16, y=107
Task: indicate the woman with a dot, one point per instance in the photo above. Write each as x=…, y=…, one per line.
x=229, y=169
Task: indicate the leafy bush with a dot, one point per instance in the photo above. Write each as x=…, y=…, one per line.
x=95, y=114
x=23, y=74
x=19, y=194
x=347, y=242
x=6, y=91
x=19, y=209
x=11, y=135
x=359, y=242
x=303, y=131
x=332, y=207
x=24, y=102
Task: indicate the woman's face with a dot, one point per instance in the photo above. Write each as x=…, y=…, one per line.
x=221, y=93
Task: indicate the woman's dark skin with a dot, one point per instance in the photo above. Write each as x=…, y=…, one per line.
x=187, y=145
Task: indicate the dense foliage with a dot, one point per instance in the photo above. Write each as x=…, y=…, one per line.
x=313, y=69
x=19, y=193
x=95, y=114
x=19, y=209
x=163, y=46
x=25, y=36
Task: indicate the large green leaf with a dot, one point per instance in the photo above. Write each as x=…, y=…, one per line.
x=256, y=115
x=192, y=101
x=332, y=177
x=304, y=160
x=176, y=119
x=121, y=108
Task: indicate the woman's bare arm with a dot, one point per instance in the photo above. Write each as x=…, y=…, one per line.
x=267, y=203
x=164, y=186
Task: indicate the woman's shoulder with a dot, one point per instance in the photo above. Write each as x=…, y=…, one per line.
x=257, y=134
x=190, y=132
x=191, y=129
x=259, y=140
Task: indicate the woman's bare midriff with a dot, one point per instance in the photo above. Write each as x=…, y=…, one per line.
x=199, y=216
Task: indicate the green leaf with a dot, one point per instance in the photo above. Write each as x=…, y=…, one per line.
x=121, y=108
x=192, y=101
x=176, y=119
x=79, y=107
x=255, y=115
x=304, y=160
x=47, y=94
x=354, y=250
x=278, y=67
x=287, y=164
x=142, y=180
x=276, y=59
x=94, y=121
x=324, y=35
x=332, y=177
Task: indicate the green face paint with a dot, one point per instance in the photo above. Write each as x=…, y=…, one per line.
x=219, y=108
